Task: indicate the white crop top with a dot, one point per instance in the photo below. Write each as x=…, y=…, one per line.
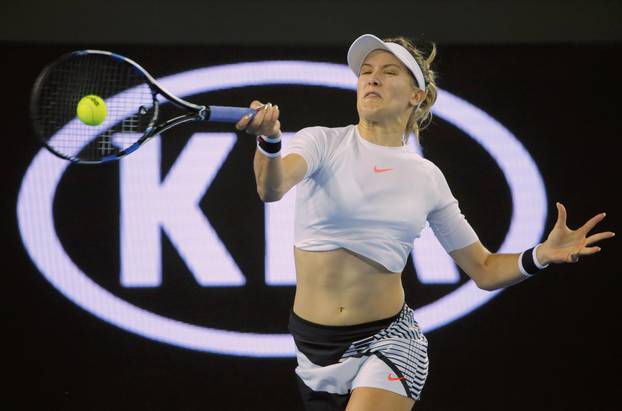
x=373, y=200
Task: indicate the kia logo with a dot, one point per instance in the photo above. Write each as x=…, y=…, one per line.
x=151, y=204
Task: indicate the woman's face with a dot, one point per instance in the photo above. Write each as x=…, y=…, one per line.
x=386, y=89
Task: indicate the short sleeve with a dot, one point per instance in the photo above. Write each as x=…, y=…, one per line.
x=450, y=226
x=310, y=144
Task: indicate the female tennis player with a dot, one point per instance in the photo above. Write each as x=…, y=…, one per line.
x=362, y=199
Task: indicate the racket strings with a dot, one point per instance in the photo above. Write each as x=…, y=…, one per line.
x=129, y=106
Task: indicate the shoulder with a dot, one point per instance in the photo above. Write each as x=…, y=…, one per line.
x=430, y=167
x=328, y=136
x=326, y=132
x=433, y=172
x=422, y=164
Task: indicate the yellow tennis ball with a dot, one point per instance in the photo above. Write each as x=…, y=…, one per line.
x=91, y=110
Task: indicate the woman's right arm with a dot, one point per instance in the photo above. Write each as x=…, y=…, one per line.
x=274, y=176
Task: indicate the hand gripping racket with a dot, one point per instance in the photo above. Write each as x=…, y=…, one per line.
x=128, y=117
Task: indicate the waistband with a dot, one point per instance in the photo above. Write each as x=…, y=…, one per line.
x=307, y=331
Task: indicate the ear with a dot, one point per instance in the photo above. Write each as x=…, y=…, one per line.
x=417, y=96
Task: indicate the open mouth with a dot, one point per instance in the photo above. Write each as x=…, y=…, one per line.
x=372, y=94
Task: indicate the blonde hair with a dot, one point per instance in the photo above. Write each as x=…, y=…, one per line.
x=422, y=117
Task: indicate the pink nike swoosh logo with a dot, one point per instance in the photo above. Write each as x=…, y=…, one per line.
x=392, y=378
x=381, y=170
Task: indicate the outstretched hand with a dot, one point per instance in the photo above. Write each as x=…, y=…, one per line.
x=564, y=245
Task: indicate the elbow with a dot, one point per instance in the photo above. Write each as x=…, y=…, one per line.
x=269, y=196
x=484, y=276
x=268, y=191
x=485, y=286
x=488, y=284
x=483, y=280
x=480, y=282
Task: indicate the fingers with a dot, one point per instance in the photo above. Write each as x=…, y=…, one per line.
x=247, y=119
x=598, y=237
x=244, y=121
x=586, y=228
x=258, y=119
x=265, y=121
x=574, y=257
x=561, y=215
x=591, y=223
x=590, y=250
x=272, y=114
x=256, y=104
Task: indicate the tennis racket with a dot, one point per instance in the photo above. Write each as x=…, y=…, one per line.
x=132, y=100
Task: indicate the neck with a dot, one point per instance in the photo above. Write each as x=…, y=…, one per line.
x=383, y=134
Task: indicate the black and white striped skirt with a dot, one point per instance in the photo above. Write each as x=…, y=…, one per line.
x=389, y=354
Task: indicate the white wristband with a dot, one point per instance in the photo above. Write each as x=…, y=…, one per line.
x=265, y=153
x=535, y=258
x=271, y=139
x=528, y=263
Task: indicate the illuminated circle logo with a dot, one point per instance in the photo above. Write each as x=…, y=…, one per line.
x=35, y=216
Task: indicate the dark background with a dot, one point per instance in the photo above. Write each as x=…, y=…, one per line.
x=549, y=73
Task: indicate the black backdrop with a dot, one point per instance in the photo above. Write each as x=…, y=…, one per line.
x=547, y=344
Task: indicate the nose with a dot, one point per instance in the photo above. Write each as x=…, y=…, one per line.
x=373, y=81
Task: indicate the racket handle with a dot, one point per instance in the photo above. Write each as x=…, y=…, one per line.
x=223, y=114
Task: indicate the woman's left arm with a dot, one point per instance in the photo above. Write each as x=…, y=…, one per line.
x=491, y=271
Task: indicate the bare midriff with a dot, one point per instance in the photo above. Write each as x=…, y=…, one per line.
x=340, y=287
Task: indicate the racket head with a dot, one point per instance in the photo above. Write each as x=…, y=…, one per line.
x=126, y=88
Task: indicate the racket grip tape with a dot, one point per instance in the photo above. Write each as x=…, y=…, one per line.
x=224, y=114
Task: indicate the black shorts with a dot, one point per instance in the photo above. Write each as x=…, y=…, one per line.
x=389, y=354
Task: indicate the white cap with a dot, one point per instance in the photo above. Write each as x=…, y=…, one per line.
x=367, y=43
